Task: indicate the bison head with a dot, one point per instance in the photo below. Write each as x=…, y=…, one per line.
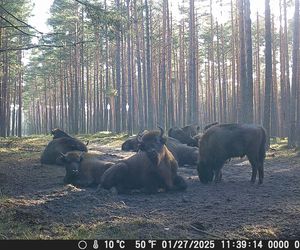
x=153, y=143
x=132, y=144
x=205, y=172
x=71, y=161
x=182, y=136
x=58, y=133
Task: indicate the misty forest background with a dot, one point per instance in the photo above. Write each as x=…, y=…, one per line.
x=127, y=65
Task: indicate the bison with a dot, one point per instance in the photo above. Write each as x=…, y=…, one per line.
x=183, y=136
x=152, y=168
x=61, y=145
x=185, y=155
x=224, y=141
x=58, y=133
x=191, y=130
x=131, y=144
x=83, y=169
x=210, y=125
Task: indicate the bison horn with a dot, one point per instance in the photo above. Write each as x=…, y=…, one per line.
x=161, y=131
x=139, y=138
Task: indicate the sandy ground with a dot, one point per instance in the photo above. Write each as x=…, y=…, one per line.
x=34, y=196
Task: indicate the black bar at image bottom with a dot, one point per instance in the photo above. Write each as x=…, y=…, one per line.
x=149, y=244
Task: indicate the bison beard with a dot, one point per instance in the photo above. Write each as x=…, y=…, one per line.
x=151, y=169
x=222, y=142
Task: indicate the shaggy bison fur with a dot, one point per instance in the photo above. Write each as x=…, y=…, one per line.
x=224, y=141
x=151, y=169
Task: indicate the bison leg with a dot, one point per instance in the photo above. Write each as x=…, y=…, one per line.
x=260, y=173
x=254, y=164
x=218, y=175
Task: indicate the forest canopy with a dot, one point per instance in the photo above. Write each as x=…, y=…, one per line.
x=127, y=65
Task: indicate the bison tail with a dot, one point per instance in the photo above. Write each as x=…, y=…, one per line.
x=262, y=147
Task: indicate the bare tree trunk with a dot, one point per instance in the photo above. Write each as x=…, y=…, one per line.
x=293, y=137
x=268, y=73
x=249, y=63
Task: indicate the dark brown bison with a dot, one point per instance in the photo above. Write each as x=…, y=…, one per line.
x=224, y=141
x=83, y=169
x=210, y=125
x=185, y=155
x=152, y=168
x=131, y=144
x=191, y=130
x=61, y=145
x=58, y=133
x=182, y=136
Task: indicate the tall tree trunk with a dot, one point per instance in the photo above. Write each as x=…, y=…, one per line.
x=150, y=103
x=129, y=94
x=139, y=71
x=118, y=74
x=293, y=138
x=249, y=63
x=268, y=73
x=192, y=116
x=243, y=116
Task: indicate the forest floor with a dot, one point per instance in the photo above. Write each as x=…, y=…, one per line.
x=35, y=204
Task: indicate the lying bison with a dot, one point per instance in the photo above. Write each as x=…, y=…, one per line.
x=83, y=169
x=191, y=130
x=210, y=125
x=184, y=155
x=60, y=145
x=224, y=141
x=152, y=168
x=183, y=135
x=131, y=144
x=58, y=133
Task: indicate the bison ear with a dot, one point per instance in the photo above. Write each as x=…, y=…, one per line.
x=163, y=138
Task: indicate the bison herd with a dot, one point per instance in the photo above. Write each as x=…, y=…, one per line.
x=153, y=167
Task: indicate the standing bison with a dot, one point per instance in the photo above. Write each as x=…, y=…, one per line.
x=224, y=141
x=152, y=168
